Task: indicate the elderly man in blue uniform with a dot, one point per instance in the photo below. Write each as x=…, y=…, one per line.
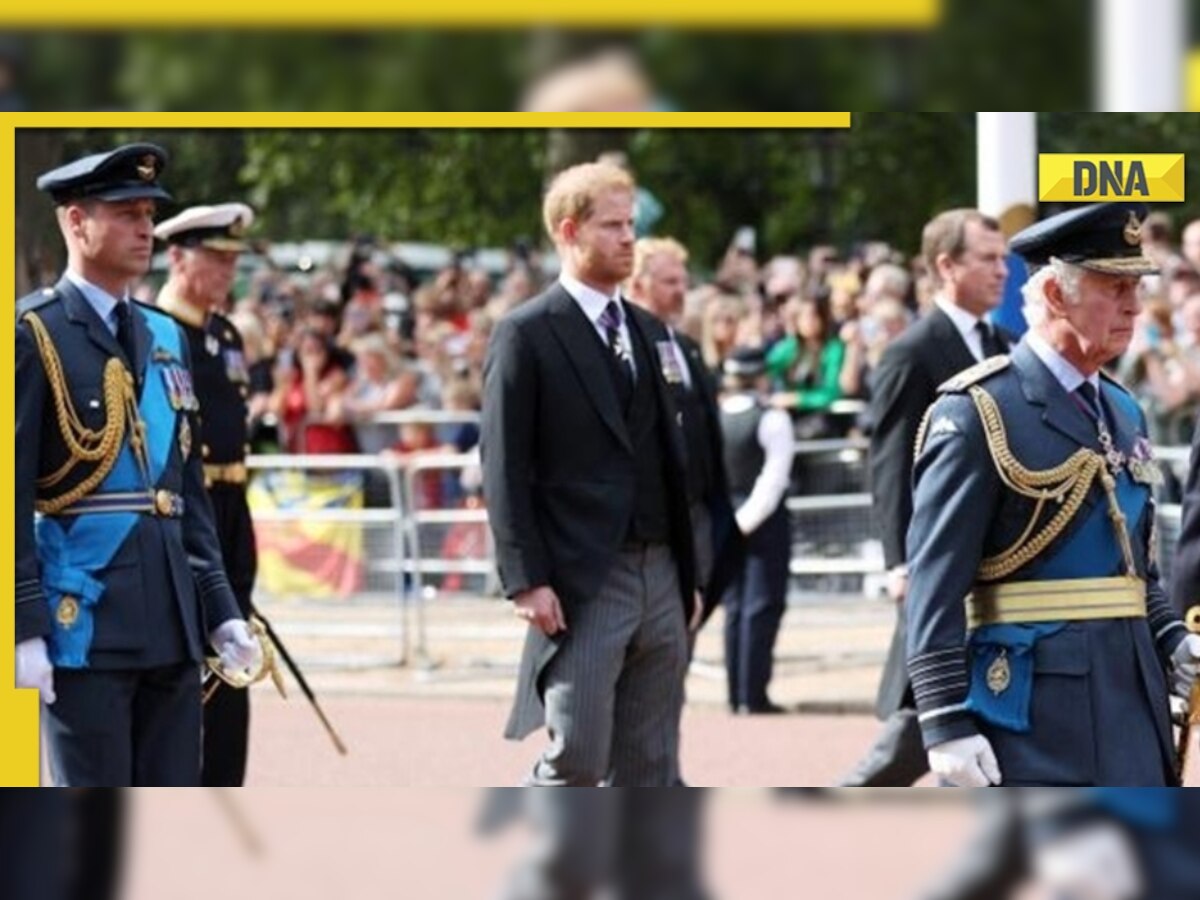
x=119, y=582
x=1042, y=648
x=203, y=244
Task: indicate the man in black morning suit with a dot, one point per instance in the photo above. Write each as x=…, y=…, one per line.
x=203, y=244
x=659, y=285
x=964, y=253
x=584, y=478
x=119, y=584
x=1185, y=568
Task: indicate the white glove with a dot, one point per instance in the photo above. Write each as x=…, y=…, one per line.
x=1185, y=665
x=34, y=669
x=1095, y=862
x=237, y=647
x=965, y=762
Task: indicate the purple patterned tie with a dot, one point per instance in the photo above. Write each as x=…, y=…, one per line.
x=610, y=320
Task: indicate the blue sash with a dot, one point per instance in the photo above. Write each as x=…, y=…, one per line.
x=73, y=554
x=1150, y=808
x=1091, y=551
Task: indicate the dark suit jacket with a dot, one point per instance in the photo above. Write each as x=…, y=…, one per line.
x=1185, y=570
x=928, y=353
x=727, y=543
x=558, y=465
x=165, y=589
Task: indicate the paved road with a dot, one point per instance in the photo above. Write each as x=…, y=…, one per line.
x=391, y=843
x=406, y=741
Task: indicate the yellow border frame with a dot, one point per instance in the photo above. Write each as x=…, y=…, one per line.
x=482, y=14
x=19, y=752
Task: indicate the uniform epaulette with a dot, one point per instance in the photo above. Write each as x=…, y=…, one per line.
x=36, y=300
x=977, y=373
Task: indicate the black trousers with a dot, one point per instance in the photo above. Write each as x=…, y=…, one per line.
x=227, y=713
x=125, y=728
x=61, y=845
x=754, y=606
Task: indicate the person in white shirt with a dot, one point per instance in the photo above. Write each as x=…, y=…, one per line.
x=758, y=462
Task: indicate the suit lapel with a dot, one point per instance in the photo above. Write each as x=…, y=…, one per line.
x=640, y=331
x=949, y=341
x=583, y=348
x=1059, y=412
x=82, y=314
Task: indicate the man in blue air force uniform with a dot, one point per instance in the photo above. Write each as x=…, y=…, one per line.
x=119, y=582
x=1032, y=500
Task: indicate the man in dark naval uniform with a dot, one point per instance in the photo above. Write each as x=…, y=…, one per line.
x=1042, y=647
x=119, y=582
x=203, y=243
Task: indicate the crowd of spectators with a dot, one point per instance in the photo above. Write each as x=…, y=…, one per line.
x=332, y=348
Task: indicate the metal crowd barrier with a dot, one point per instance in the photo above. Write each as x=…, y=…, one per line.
x=834, y=548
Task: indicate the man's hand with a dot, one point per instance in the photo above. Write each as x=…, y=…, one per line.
x=1185, y=665
x=541, y=608
x=1095, y=862
x=34, y=669
x=966, y=762
x=237, y=646
x=897, y=583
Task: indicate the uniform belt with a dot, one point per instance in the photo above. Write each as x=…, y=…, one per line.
x=1067, y=600
x=163, y=503
x=229, y=473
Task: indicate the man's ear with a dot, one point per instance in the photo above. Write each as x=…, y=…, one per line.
x=72, y=216
x=568, y=230
x=1056, y=300
x=944, y=264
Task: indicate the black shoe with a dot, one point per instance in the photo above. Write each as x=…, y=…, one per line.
x=762, y=709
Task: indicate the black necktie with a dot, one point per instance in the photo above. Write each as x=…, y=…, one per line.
x=1090, y=400
x=125, y=333
x=989, y=340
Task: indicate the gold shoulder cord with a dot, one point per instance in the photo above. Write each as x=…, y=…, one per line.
x=1067, y=484
x=83, y=444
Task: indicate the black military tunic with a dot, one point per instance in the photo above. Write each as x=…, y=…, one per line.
x=222, y=384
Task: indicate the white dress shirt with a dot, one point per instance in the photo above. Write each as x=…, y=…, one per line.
x=1065, y=373
x=966, y=325
x=104, y=303
x=593, y=303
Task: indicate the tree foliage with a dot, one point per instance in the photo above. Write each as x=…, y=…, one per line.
x=879, y=180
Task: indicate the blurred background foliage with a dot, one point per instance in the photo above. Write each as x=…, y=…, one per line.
x=983, y=55
x=880, y=179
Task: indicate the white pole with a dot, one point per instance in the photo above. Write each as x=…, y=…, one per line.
x=1006, y=170
x=1140, y=55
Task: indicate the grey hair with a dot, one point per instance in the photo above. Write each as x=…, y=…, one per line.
x=1034, y=290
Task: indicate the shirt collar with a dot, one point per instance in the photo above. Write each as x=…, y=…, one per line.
x=1065, y=373
x=590, y=300
x=181, y=309
x=964, y=321
x=99, y=299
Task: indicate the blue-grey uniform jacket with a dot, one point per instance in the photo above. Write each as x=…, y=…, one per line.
x=1087, y=700
x=113, y=590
